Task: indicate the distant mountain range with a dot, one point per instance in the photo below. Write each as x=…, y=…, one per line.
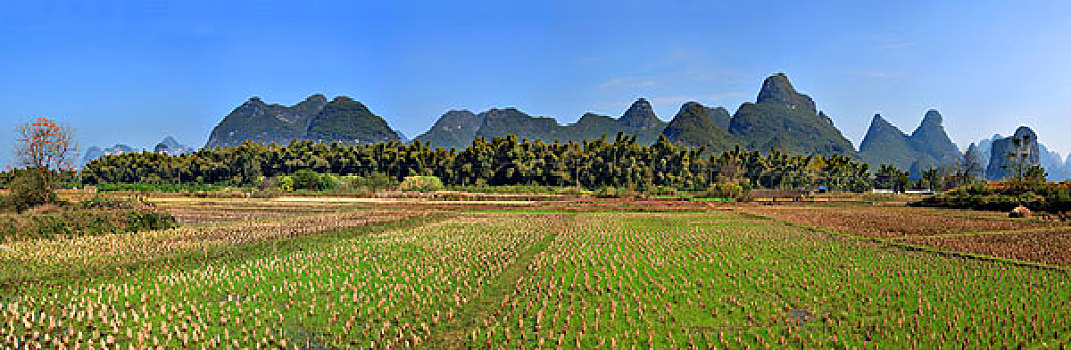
x=781, y=117
x=168, y=145
x=343, y=119
x=457, y=129
x=94, y=152
x=926, y=148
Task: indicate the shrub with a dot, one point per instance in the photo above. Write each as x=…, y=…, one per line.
x=725, y=190
x=1004, y=197
x=421, y=183
x=286, y=183
x=28, y=190
x=328, y=181
x=306, y=179
x=73, y=223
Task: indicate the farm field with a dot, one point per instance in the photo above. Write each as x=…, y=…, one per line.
x=249, y=273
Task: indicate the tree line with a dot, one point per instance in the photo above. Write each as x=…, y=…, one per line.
x=620, y=162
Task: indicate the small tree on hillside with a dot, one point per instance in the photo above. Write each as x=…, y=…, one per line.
x=45, y=147
x=1019, y=158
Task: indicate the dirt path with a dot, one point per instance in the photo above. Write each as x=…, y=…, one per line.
x=454, y=333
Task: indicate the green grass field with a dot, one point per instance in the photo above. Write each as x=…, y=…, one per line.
x=550, y=279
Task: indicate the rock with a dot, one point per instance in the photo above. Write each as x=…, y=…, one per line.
x=1020, y=212
x=1000, y=166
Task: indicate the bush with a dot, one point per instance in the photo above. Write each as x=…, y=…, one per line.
x=328, y=181
x=306, y=180
x=725, y=190
x=373, y=182
x=28, y=190
x=1047, y=197
x=421, y=183
x=74, y=223
x=286, y=183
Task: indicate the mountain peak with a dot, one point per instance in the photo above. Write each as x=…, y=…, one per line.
x=931, y=139
x=640, y=115
x=884, y=143
x=777, y=89
x=1025, y=131
x=933, y=117
x=454, y=129
x=171, y=143
x=253, y=102
x=880, y=124
x=697, y=125
x=878, y=120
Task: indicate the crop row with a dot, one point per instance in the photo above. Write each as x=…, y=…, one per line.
x=585, y=280
x=45, y=254
x=640, y=281
x=384, y=290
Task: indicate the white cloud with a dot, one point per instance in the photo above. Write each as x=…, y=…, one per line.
x=629, y=82
x=892, y=42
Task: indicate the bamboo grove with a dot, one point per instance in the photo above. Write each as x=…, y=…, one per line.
x=620, y=162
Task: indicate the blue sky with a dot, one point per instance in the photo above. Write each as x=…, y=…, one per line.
x=135, y=72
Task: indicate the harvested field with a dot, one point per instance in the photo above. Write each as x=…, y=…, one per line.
x=894, y=222
x=1051, y=247
x=194, y=211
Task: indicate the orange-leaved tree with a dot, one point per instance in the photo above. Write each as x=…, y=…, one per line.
x=46, y=147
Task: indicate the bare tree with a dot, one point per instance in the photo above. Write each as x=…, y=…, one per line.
x=45, y=146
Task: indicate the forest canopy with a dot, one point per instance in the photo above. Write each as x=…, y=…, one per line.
x=620, y=162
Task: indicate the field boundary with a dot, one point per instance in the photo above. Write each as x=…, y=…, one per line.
x=927, y=249
x=992, y=233
x=566, y=211
x=453, y=333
